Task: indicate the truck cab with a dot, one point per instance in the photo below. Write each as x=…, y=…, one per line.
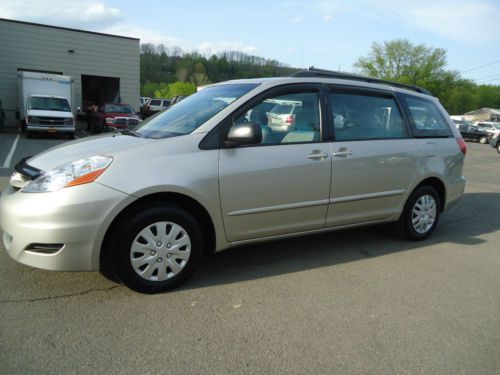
x=49, y=114
x=46, y=103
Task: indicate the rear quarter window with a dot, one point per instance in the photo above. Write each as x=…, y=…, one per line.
x=426, y=120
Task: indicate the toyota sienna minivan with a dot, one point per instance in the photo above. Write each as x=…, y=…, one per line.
x=209, y=173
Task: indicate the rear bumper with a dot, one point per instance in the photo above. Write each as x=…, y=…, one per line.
x=455, y=190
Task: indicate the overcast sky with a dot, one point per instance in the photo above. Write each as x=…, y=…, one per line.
x=328, y=34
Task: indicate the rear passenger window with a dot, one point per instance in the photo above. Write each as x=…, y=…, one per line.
x=425, y=118
x=359, y=117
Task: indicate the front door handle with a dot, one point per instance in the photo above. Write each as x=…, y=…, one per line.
x=317, y=155
x=343, y=152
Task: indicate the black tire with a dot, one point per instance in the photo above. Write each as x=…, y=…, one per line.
x=23, y=126
x=498, y=147
x=483, y=140
x=405, y=222
x=29, y=134
x=71, y=136
x=126, y=232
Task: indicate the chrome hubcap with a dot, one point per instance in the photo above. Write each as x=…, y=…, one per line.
x=160, y=251
x=424, y=214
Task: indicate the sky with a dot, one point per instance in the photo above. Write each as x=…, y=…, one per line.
x=327, y=34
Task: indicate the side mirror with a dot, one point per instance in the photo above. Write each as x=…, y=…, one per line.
x=247, y=133
x=78, y=109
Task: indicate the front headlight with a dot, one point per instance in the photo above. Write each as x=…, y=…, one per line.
x=110, y=120
x=69, y=121
x=75, y=173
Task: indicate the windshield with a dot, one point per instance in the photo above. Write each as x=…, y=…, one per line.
x=48, y=104
x=111, y=108
x=186, y=116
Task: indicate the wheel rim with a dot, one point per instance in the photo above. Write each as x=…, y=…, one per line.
x=160, y=251
x=424, y=214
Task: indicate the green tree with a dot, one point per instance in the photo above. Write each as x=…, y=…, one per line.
x=181, y=88
x=402, y=61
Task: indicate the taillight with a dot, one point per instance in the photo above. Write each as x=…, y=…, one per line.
x=289, y=120
x=462, y=145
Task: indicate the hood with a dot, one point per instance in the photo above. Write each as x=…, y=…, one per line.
x=105, y=145
x=42, y=113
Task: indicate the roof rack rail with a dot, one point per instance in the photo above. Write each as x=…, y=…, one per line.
x=313, y=72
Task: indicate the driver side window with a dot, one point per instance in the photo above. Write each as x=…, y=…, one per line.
x=290, y=118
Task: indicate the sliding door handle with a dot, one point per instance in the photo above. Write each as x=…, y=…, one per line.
x=343, y=152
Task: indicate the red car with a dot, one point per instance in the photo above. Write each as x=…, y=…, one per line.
x=113, y=116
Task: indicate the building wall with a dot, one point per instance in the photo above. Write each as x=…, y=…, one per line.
x=36, y=47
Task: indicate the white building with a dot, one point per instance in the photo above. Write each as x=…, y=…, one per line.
x=483, y=114
x=105, y=68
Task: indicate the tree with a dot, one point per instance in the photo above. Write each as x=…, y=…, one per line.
x=402, y=61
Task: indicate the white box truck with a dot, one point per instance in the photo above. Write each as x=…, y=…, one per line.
x=46, y=103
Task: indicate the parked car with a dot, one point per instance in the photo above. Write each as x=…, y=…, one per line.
x=143, y=100
x=178, y=98
x=459, y=122
x=473, y=133
x=153, y=106
x=282, y=115
x=492, y=128
x=495, y=142
x=115, y=116
x=147, y=204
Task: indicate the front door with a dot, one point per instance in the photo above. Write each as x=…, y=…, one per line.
x=282, y=184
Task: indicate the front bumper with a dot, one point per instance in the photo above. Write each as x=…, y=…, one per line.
x=74, y=218
x=494, y=142
x=47, y=129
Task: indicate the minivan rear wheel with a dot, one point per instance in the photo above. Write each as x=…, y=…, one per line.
x=157, y=249
x=421, y=213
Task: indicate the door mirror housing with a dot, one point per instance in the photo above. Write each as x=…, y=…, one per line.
x=248, y=133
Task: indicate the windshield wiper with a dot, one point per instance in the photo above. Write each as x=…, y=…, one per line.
x=131, y=132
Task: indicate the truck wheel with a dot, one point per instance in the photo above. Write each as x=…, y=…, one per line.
x=29, y=134
x=483, y=140
x=498, y=147
x=23, y=126
x=420, y=214
x=156, y=249
x=71, y=135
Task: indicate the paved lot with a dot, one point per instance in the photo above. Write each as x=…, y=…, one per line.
x=359, y=301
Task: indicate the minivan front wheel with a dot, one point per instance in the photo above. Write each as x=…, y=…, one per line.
x=158, y=249
x=421, y=213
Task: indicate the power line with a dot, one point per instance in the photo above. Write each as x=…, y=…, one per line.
x=486, y=77
x=480, y=67
x=489, y=80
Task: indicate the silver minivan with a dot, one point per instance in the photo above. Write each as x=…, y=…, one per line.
x=210, y=173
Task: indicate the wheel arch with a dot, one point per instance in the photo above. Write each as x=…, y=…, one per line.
x=183, y=201
x=438, y=185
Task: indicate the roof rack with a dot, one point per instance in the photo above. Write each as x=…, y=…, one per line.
x=313, y=72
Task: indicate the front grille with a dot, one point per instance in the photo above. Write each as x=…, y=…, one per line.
x=126, y=121
x=121, y=121
x=51, y=121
